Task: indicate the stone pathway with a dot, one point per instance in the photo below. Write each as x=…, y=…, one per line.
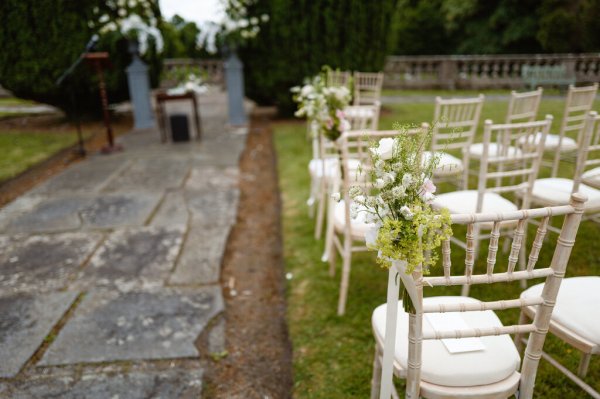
x=109, y=271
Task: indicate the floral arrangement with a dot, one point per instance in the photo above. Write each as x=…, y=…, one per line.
x=405, y=226
x=192, y=82
x=323, y=106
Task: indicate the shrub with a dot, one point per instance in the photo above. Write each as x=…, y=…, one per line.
x=40, y=39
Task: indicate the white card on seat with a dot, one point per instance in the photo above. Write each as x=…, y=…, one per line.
x=454, y=321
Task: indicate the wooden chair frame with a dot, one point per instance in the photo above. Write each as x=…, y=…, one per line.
x=523, y=107
x=521, y=382
x=578, y=103
x=367, y=87
x=361, y=117
x=454, y=128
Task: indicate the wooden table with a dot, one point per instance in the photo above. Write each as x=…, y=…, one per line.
x=162, y=98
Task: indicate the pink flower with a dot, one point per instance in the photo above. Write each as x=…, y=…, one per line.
x=329, y=124
x=340, y=114
x=428, y=187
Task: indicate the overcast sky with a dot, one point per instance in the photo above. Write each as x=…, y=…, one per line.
x=198, y=11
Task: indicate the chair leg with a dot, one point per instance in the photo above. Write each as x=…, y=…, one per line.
x=523, y=255
x=376, y=381
x=329, y=232
x=322, y=199
x=345, y=280
x=584, y=364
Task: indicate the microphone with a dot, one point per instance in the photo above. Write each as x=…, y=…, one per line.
x=92, y=43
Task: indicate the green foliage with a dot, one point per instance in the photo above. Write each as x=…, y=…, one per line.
x=496, y=26
x=302, y=36
x=40, y=39
x=181, y=39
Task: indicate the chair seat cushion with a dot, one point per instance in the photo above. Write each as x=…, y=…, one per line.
x=465, y=201
x=358, y=111
x=568, y=144
x=358, y=226
x=592, y=177
x=447, y=165
x=476, y=150
x=576, y=306
x=315, y=166
x=496, y=362
x=557, y=191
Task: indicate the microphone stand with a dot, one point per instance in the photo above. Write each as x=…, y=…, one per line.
x=80, y=147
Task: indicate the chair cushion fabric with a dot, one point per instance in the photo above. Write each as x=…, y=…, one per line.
x=576, y=306
x=568, y=144
x=358, y=226
x=557, y=191
x=476, y=150
x=315, y=166
x=592, y=177
x=496, y=362
x=447, y=165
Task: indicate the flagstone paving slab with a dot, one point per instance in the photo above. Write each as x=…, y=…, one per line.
x=173, y=383
x=41, y=263
x=209, y=177
x=53, y=214
x=151, y=174
x=87, y=177
x=111, y=326
x=172, y=211
x=213, y=207
x=134, y=258
x=201, y=256
x=119, y=210
x=25, y=320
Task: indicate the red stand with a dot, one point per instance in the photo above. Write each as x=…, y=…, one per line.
x=99, y=61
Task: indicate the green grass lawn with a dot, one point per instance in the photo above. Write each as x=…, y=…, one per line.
x=21, y=150
x=333, y=355
x=13, y=101
x=459, y=93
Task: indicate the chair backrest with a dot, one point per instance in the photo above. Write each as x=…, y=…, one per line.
x=367, y=87
x=415, y=282
x=455, y=122
x=363, y=117
x=335, y=77
x=589, y=153
x=523, y=107
x=579, y=102
x=511, y=158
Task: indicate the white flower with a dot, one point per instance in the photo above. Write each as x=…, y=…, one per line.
x=379, y=184
x=406, y=212
x=385, y=149
x=399, y=192
x=336, y=197
x=389, y=177
x=360, y=199
x=306, y=90
x=371, y=237
x=428, y=197
x=354, y=191
x=407, y=180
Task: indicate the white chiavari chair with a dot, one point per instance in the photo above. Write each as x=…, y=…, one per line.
x=335, y=77
x=360, y=117
x=523, y=107
x=367, y=87
x=573, y=322
x=565, y=145
x=455, y=124
x=417, y=346
x=496, y=178
x=557, y=190
x=344, y=234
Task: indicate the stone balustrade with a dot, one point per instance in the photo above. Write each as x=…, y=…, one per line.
x=481, y=71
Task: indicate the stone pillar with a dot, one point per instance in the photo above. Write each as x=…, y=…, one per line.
x=139, y=91
x=234, y=79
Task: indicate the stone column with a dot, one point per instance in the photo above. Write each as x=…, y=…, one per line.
x=234, y=78
x=139, y=90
